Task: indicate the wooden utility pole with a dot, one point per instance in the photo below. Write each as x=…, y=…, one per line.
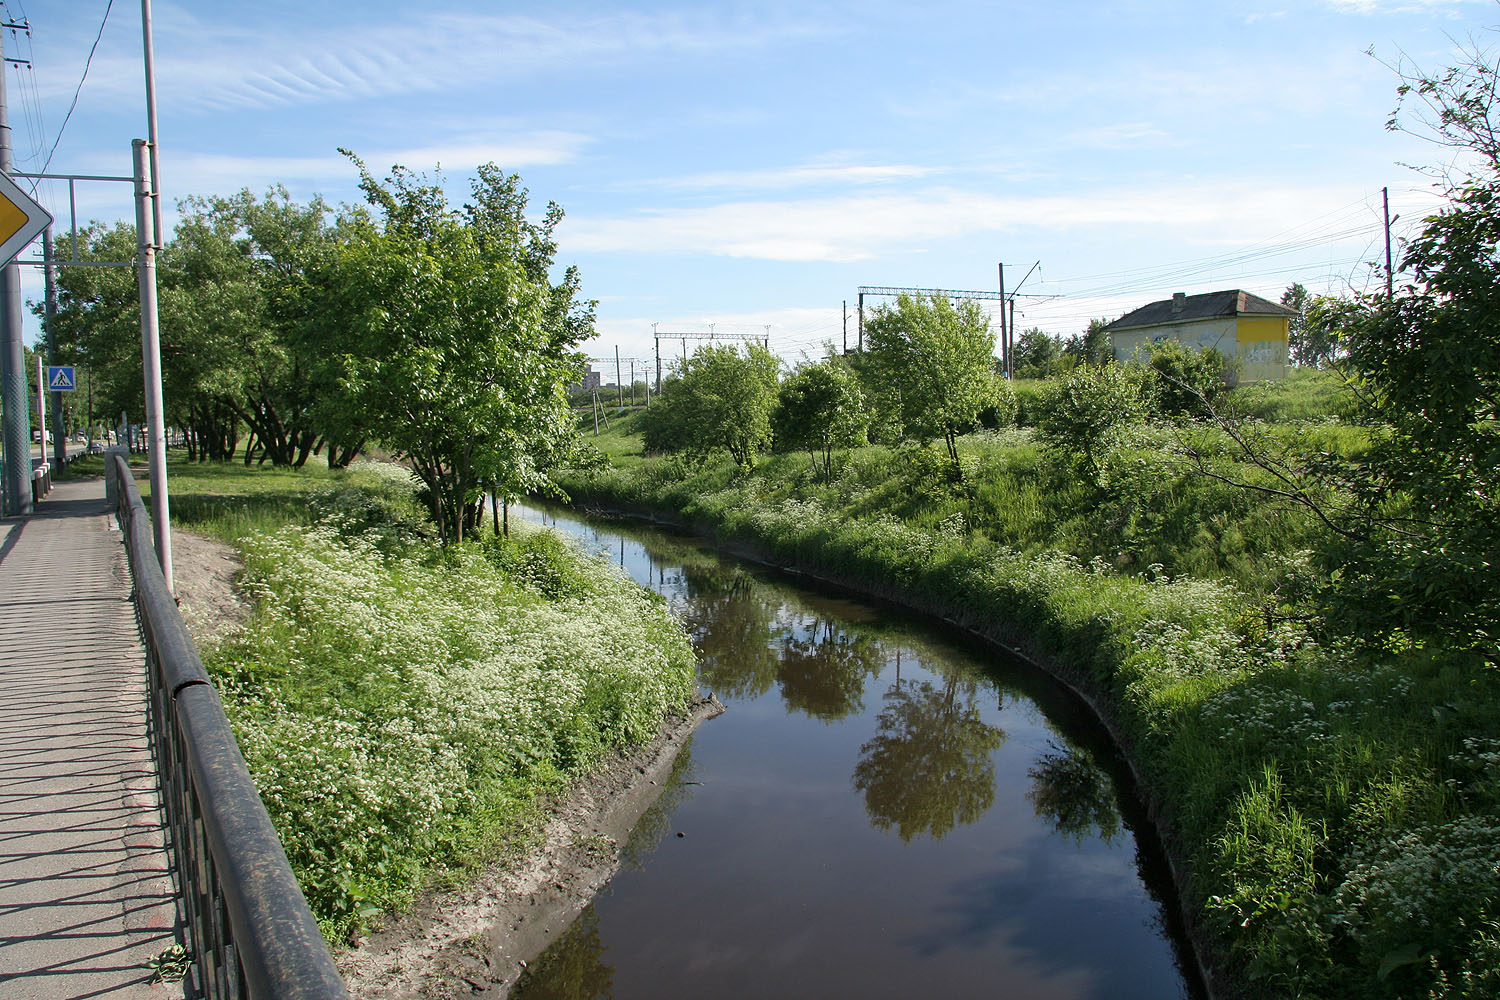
x=1390, y=284
x=1005, y=365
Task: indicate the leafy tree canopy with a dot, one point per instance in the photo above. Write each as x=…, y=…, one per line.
x=931, y=366
x=820, y=408
x=721, y=398
x=456, y=350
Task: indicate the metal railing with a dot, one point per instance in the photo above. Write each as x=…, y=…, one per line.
x=250, y=932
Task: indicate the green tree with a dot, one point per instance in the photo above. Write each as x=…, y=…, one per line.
x=1037, y=353
x=1419, y=551
x=456, y=357
x=1324, y=322
x=819, y=407
x=721, y=398
x=1082, y=413
x=931, y=366
x=1091, y=347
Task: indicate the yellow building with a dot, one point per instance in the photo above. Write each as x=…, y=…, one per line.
x=1235, y=323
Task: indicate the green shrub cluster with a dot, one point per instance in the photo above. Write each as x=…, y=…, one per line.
x=403, y=709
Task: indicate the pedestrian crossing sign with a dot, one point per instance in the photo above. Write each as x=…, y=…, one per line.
x=60, y=378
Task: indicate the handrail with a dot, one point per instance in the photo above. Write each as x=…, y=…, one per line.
x=251, y=934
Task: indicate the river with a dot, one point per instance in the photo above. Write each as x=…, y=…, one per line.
x=885, y=810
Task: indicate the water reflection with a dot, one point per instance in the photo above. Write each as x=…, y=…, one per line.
x=731, y=626
x=573, y=968
x=823, y=670
x=931, y=763
x=881, y=814
x=1072, y=792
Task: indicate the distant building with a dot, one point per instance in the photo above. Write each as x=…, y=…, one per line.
x=1235, y=323
x=589, y=384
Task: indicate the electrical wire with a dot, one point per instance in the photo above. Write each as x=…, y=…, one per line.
x=79, y=89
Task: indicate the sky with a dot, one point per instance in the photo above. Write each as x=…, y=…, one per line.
x=742, y=169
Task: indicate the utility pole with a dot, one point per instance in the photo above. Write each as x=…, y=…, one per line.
x=846, y=326
x=149, y=230
x=156, y=440
x=49, y=277
x=1390, y=284
x=632, y=382
x=17, y=419
x=768, y=338
x=619, y=385
x=657, y=338
x=861, y=306
x=1004, y=340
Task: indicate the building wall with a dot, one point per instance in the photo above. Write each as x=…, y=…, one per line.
x=1262, y=347
x=1259, y=342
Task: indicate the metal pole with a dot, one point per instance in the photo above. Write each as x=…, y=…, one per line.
x=860, y=305
x=846, y=326
x=17, y=419
x=41, y=403
x=619, y=385
x=49, y=277
x=151, y=361
x=151, y=136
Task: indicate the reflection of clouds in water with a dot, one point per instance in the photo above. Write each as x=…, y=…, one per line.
x=1024, y=903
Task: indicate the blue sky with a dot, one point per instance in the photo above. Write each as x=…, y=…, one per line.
x=746, y=165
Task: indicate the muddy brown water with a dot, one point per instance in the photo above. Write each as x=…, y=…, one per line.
x=885, y=810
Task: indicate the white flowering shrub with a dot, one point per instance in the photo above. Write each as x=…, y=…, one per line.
x=403, y=712
x=1421, y=901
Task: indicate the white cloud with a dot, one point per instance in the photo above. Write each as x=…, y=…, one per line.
x=800, y=176
x=860, y=227
x=221, y=66
x=212, y=172
x=1396, y=6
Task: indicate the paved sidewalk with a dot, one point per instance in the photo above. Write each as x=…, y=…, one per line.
x=85, y=895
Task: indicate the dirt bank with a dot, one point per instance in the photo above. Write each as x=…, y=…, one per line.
x=478, y=939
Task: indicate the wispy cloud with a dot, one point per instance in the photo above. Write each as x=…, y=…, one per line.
x=855, y=228
x=1398, y=6
x=218, y=66
x=205, y=172
x=783, y=178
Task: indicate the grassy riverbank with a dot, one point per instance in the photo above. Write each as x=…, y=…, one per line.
x=1334, y=805
x=406, y=710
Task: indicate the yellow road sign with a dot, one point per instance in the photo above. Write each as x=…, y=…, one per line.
x=21, y=219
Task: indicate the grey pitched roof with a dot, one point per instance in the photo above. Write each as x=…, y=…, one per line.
x=1209, y=305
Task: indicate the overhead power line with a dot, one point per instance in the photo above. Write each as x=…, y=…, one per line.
x=79, y=89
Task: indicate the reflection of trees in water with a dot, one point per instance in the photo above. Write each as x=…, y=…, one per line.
x=931, y=763
x=573, y=968
x=656, y=822
x=824, y=673
x=1072, y=792
x=730, y=621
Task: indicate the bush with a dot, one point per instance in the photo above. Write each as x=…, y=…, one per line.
x=1082, y=413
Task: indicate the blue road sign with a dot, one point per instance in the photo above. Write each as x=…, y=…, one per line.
x=60, y=378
